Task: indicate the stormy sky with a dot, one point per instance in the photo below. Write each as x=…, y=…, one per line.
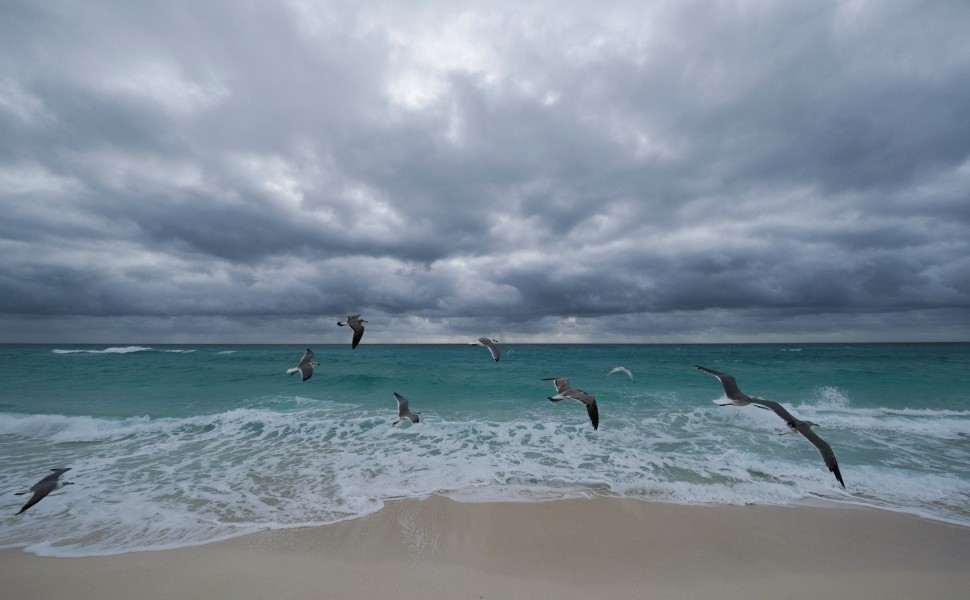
x=551, y=171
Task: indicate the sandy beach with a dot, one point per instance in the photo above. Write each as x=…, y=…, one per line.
x=612, y=548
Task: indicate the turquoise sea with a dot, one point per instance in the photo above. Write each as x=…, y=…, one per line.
x=179, y=445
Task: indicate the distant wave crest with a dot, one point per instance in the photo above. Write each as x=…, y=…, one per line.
x=111, y=350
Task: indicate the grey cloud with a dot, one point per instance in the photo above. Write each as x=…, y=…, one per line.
x=630, y=172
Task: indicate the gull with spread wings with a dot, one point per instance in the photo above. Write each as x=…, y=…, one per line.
x=355, y=323
x=738, y=398
x=564, y=391
x=305, y=366
x=44, y=487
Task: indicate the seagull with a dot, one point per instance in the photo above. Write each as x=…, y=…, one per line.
x=305, y=366
x=491, y=344
x=622, y=370
x=355, y=323
x=403, y=412
x=43, y=487
x=738, y=398
x=566, y=392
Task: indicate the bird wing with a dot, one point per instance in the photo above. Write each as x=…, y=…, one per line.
x=358, y=328
x=46, y=486
x=492, y=346
x=730, y=385
x=306, y=371
x=824, y=449
x=307, y=357
x=562, y=383
x=402, y=405
x=591, y=410
x=55, y=474
x=622, y=370
x=589, y=401
x=594, y=414
x=806, y=430
x=776, y=408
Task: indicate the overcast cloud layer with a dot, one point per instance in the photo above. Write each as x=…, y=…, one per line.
x=545, y=171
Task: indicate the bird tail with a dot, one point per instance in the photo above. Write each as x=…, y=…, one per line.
x=291, y=371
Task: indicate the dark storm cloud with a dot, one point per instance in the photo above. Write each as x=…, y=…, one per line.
x=631, y=172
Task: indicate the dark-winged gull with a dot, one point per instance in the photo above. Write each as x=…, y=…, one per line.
x=355, y=323
x=491, y=344
x=566, y=392
x=403, y=412
x=305, y=366
x=44, y=486
x=738, y=398
x=622, y=370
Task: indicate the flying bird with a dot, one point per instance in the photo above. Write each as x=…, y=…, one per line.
x=491, y=344
x=566, y=392
x=305, y=366
x=355, y=323
x=403, y=412
x=622, y=370
x=738, y=398
x=44, y=486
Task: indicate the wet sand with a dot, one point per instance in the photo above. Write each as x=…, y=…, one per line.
x=601, y=547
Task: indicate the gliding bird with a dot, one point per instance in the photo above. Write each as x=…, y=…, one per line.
x=305, y=366
x=566, y=392
x=355, y=323
x=622, y=370
x=491, y=344
x=403, y=412
x=43, y=487
x=739, y=398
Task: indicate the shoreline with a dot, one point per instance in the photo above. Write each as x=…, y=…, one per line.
x=567, y=548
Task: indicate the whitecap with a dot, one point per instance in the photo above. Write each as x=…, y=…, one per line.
x=111, y=350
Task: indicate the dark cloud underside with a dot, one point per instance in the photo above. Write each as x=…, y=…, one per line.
x=544, y=172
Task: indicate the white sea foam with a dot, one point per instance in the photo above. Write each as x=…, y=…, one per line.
x=59, y=428
x=111, y=350
x=143, y=483
x=831, y=397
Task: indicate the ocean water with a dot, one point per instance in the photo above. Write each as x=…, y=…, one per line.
x=181, y=445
